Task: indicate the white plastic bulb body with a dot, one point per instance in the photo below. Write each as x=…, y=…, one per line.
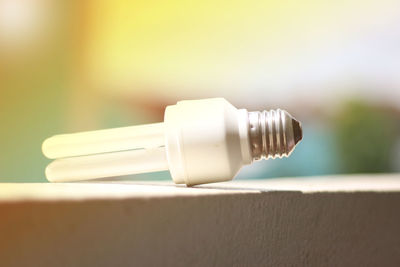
x=200, y=141
x=206, y=141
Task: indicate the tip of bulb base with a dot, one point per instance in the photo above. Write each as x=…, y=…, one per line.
x=297, y=131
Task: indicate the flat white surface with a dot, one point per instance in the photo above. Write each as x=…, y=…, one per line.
x=339, y=183
x=153, y=189
x=320, y=221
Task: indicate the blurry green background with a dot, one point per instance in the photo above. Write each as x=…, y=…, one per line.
x=68, y=66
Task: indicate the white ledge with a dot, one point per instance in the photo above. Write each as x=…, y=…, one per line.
x=317, y=221
x=135, y=189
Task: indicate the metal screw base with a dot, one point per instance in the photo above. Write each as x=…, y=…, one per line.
x=273, y=133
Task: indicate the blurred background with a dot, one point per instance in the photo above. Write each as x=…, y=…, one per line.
x=68, y=66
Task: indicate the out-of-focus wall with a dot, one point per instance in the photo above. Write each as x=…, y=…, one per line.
x=80, y=65
x=253, y=52
x=35, y=52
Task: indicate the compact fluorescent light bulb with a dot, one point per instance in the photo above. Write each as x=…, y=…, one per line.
x=200, y=141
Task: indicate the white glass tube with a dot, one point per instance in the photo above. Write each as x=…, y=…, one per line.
x=103, y=141
x=107, y=165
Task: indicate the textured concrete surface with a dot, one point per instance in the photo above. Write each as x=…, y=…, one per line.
x=334, y=221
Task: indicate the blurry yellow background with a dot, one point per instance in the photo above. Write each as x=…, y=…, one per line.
x=80, y=65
